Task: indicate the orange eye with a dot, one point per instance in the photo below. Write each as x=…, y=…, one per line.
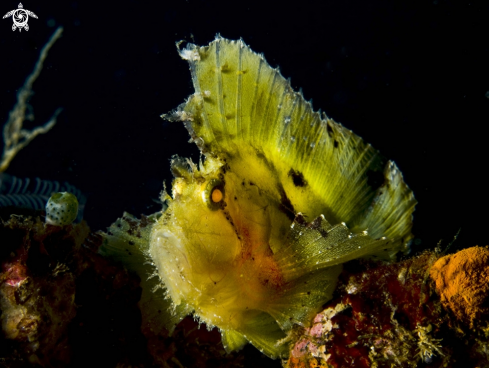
x=216, y=195
x=213, y=194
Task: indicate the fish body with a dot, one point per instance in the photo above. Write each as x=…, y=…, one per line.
x=254, y=236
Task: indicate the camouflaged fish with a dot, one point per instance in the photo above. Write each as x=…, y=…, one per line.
x=254, y=237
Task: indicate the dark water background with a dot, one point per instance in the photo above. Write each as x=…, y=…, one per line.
x=410, y=77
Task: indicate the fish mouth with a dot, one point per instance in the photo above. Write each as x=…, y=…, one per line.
x=168, y=254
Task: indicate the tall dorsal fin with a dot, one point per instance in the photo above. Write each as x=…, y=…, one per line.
x=242, y=106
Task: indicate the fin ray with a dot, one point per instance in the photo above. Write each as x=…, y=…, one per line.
x=263, y=332
x=304, y=299
x=252, y=105
x=317, y=245
x=232, y=340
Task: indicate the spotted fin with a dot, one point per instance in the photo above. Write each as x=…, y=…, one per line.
x=245, y=112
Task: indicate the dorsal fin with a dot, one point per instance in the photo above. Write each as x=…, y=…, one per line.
x=242, y=104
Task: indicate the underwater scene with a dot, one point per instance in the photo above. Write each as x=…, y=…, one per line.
x=209, y=184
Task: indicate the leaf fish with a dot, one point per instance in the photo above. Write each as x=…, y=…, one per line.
x=254, y=236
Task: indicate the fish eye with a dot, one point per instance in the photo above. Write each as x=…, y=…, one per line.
x=213, y=194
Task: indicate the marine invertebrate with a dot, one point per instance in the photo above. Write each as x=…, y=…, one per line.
x=391, y=314
x=34, y=193
x=61, y=209
x=384, y=315
x=427, y=345
x=30, y=193
x=254, y=237
x=14, y=137
x=462, y=280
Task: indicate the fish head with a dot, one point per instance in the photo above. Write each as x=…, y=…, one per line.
x=214, y=245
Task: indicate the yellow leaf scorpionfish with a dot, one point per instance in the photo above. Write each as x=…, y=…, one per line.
x=253, y=237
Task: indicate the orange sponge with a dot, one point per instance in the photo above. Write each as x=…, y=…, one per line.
x=462, y=280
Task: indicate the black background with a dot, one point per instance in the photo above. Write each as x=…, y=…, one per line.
x=410, y=77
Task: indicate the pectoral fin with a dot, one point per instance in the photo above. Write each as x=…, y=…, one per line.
x=304, y=297
x=263, y=332
x=233, y=340
x=127, y=241
x=310, y=263
x=318, y=245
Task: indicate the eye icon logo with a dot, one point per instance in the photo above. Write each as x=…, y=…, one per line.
x=20, y=17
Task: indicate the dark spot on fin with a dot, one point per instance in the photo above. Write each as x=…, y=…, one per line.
x=299, y=218
x=329, y=128
x=297, y=178
x=285, y=204
x=316, y=224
